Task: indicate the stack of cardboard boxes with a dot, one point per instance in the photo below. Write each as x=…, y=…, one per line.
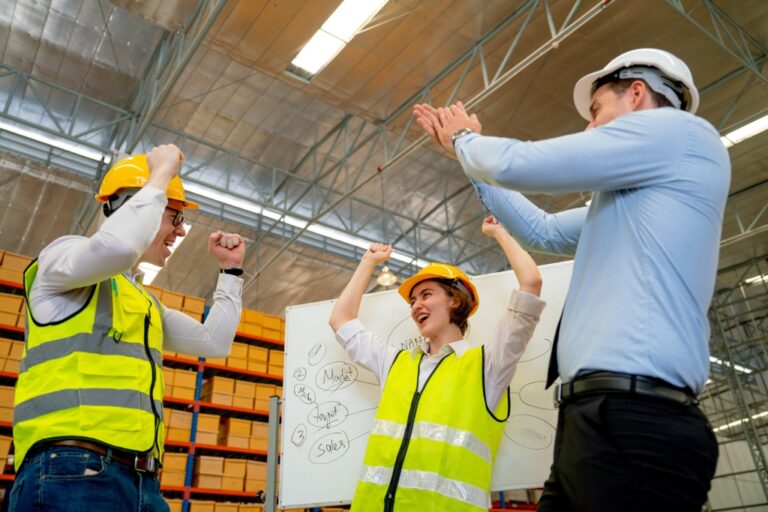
x=252, y=358
x=6, y=404
x=10, y=355
x=255, y=323
x=12, y=267
x=178, y=425
x=12, y=311
x=174, y=469
x=5, y=447
x=180, y=383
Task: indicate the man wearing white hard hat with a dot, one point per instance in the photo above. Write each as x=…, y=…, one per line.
x=631, y=349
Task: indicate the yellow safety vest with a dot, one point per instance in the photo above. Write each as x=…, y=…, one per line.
x=434, y=450
x=89, y=375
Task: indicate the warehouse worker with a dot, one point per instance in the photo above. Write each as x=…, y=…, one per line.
x=88, y=418
x=633, y=345
x=444, y=403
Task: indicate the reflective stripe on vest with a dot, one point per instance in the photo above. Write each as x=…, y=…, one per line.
x=88, y=375
x=429, y=481
x=68, y=398
x=435, y=432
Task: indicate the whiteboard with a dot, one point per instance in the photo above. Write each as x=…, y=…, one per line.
x=329, y=403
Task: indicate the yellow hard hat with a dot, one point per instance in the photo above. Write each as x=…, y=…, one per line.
x=133, y=172
x=441, y=271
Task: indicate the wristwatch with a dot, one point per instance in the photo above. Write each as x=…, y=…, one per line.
x=459, y=134
x=231, y=271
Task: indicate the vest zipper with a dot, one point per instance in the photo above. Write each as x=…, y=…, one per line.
x=389, y=497
x=155, y=414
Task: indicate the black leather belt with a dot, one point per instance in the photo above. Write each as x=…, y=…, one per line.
x=144, y=462
x=609, y=382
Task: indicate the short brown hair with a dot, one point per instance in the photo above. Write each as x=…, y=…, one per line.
x=620, y=87
x=460, y=314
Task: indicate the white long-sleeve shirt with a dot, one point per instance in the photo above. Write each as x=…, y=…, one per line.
x=71, y=265
x=502, y=353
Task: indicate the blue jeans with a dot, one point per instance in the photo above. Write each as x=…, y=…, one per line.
x=68, y=479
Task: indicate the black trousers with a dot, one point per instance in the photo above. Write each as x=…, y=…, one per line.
x=621, y=452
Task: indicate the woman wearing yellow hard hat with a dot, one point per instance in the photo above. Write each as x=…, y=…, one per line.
x=444, y=403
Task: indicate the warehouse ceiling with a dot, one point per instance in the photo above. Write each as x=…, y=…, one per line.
x=338, y=151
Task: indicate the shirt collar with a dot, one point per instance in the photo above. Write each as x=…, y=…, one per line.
x=459, y=347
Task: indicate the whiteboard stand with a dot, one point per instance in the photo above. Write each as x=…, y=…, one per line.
x=270, y=499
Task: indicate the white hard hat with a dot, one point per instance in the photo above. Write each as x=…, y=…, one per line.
x=662, y=71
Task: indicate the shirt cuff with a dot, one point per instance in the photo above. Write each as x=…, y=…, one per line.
x=230, y=284
x=347, y=331
x=526, y=303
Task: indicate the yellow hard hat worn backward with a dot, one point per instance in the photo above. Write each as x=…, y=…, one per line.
x=441, y=271
x=133, y=172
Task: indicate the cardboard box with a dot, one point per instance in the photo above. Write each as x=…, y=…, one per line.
x=17, y=350
x=179, y=419
x=174, y=462
x=185, y=379
x=251, y=329
x=5, y=446
x=239, y=350
x=238, y=363
x=11, y=366
x=6, y=414
x=257, y=366
x=5, y=347
x=221, y=361
x=264, y=391
x=208, y=422
x=178, y=434
x=255, y=443
x=276, y=357
x=12, y=261
x=227, y=507
x=234, y=440
x=259, y=430
x=258, y=354
x=10, y=303
x=273, y=334
x=229, y=483
x=255, y=470
x=252, y=317
x=207, y=481
x=235, y=468
x=275, y=370
x=271, y=322
x=219, y=398
x=202, y=506
x=194, y=305
x=249, y=507
x=6, y=396
x=182, y=393
x=8, y=318
x=242, y=402
x=209, y=438
x=245, y=389
x=172, y=478
x=236, y=426
x=255, y=485
x=11, y=276
x=174, y=504
x=168, y=376
x=210, y=465
x=172, y=300
x=220, y=385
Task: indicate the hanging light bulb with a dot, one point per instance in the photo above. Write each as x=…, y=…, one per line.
x=386, y=277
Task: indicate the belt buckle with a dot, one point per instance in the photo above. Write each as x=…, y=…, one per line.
x=148, y=465
x=558, y=394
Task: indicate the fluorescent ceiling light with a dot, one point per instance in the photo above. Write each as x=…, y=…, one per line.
x=738, y=367
x=150, y=271
x=759, y=125
x=757, y=279
x=336, y=32
x=324, y=231
x=56, y=142
x=739, y=422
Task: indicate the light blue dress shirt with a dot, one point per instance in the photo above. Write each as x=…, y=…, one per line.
x=645, y=249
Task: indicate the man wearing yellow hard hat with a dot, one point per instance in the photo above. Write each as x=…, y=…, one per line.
x=444, y=403
x=88, y=418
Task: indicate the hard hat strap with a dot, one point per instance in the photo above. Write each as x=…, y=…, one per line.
x=674, y=91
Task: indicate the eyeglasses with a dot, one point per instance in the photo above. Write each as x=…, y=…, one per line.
x=178, y=217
